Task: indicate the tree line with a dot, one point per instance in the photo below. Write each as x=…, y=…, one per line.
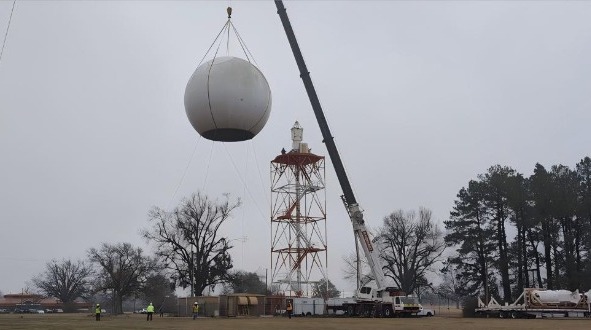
x=509, y=231
x=505, y=232
x=190, y=252
x=113, y=273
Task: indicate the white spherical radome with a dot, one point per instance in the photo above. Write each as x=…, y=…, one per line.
x=228, y=99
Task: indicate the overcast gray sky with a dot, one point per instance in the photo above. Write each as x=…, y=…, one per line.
x=420, y=97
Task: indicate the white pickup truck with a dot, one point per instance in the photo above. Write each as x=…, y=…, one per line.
x=426, y=312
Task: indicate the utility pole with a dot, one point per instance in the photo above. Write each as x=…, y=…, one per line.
x=192, y=272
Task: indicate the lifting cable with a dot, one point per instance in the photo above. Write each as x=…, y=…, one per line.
x=242, y=180
x=243, y=237
x=229, y=25
x=246, y=189
x=256, y=161
x=7, y=29
x=250, y=58
x=184, y=174
x=197, y=143
x=208, y=166
x=204, y=185
x=217, y=42
x=182, y=179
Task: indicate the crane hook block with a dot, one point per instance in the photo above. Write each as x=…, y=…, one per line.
x=229, y=10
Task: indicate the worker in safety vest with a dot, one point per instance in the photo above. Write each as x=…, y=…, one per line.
x=97, y=312
x=150, y=310
x=289, y=309
x=195, y=310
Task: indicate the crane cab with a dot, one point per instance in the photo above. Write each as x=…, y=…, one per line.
x=366, y=293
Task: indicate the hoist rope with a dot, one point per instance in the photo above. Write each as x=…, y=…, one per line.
x=243, y=209
x=187, y=170
x=199, y=139
x=243, y=45
x=241, y=176
x=7, y=29
x=228, y=38
x=208, y=76
x=242, y=181
x=208, y=166
x=184, y=173
x=256, y=161
x=213, y=43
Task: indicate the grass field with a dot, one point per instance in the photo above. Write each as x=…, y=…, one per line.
x=138, y=321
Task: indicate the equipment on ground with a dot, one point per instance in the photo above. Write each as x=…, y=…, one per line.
x=537, y=303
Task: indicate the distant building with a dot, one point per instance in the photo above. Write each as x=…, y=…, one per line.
x=27, y=302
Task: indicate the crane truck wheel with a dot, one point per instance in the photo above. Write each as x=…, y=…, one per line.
x=388, y=311
x=351, y=311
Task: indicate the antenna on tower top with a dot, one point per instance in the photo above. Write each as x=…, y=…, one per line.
x=297, y=134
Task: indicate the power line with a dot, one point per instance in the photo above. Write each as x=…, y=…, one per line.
x=7, y=29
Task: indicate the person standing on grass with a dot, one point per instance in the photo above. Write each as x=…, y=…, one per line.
x=289, y=309
x=150, y=310
x=195, y=310
x=97, y=312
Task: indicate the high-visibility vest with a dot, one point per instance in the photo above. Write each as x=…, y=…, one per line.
x=97, y=310
x=150, y=309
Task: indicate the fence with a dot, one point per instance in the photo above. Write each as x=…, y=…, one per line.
x=249, y=305
x=208, y=306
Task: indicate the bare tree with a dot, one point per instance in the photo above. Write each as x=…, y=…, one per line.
x=122, y=269
x=65, y=280
x=189, y=241
x=449, y=287
x=410, y=247
x=350, y=269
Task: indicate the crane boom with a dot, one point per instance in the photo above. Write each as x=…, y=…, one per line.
x=353, y=209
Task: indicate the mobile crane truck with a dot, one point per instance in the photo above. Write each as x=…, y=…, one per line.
x=383, y=301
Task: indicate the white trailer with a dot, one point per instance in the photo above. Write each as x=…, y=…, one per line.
x=308, y=306
x=538, y=303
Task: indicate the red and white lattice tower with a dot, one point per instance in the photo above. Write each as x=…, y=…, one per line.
x=298, y=218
